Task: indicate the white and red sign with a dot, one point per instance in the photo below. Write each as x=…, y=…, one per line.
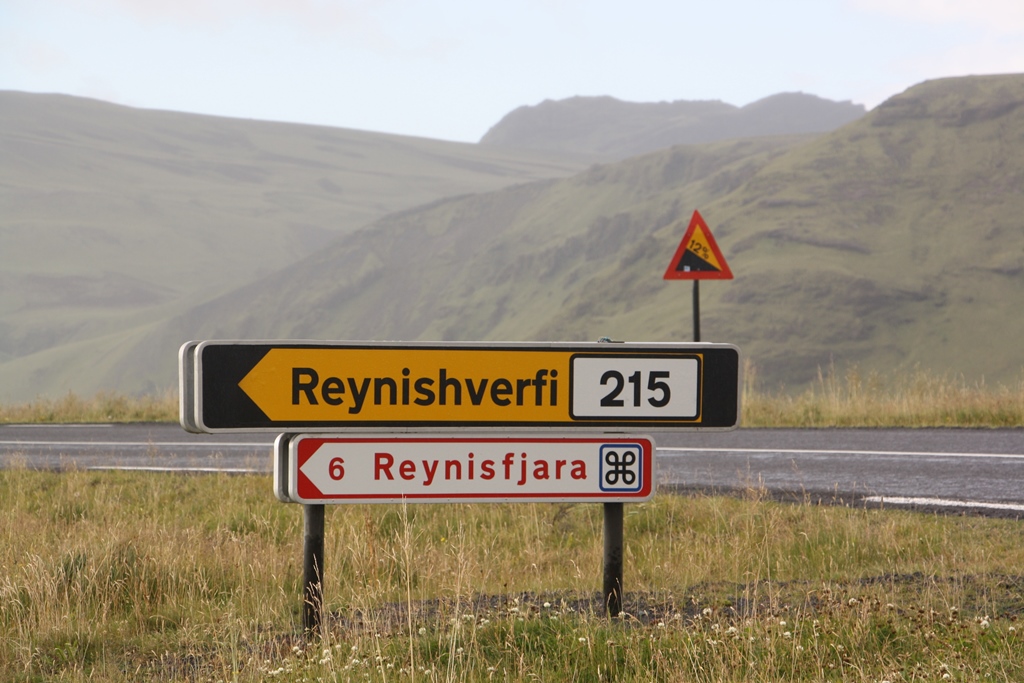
x=431, y=468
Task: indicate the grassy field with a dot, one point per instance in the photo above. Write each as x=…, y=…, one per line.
x=112, y=576
x=139, y=576
x=850, y=399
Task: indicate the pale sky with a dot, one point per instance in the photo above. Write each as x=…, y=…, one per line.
x=452, y=68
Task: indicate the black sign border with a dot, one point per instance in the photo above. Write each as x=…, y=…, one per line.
x=219, y=405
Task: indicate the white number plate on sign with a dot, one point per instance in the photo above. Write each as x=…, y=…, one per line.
x=635, y=387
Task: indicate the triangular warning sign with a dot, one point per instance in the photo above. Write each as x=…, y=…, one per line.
x=698, y=256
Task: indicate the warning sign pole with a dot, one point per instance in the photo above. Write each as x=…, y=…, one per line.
x=698, y=258
x=696, y=310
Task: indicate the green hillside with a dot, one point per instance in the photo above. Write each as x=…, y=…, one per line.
x=113, y=218
x=895, y=241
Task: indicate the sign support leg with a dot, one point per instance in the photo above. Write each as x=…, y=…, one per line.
x=696, y=310
x=313, y=569
x=613, y=516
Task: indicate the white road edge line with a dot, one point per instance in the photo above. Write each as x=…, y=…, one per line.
x=176, y=444
x=942, y=502
x=797, y=451
x=200, y=470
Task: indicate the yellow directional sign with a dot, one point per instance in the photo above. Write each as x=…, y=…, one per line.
x=230, y=386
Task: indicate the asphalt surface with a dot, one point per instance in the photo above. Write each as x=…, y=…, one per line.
x=976, y=469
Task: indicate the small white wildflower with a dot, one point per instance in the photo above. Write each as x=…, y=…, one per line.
x=355, y=661
x=582, y=639
x=661, y=624
x=355, y=648
x=423, y=630
x=787, y=634
x=799, y=648
x=984, y=623
x=547, y=604
x=852, y=601
x=514, y=610
x=782, y=622
x=1012, y=629
x=732, y=630
x=707, y=612
x=946, y=677
x=459, y=650
x=491, y=669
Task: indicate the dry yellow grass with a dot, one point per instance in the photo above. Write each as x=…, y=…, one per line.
x=918, y=399
x=102, y=407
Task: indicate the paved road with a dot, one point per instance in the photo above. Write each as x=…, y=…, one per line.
x=925, y=468
x=919, y=467
x=135, y=446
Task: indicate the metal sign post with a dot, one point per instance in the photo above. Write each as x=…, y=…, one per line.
x=696, y=310
x=319, y=469
x=459, y=422
x=313, y=569
x=614, y=515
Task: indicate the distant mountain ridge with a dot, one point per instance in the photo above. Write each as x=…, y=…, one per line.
x=614, y=129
